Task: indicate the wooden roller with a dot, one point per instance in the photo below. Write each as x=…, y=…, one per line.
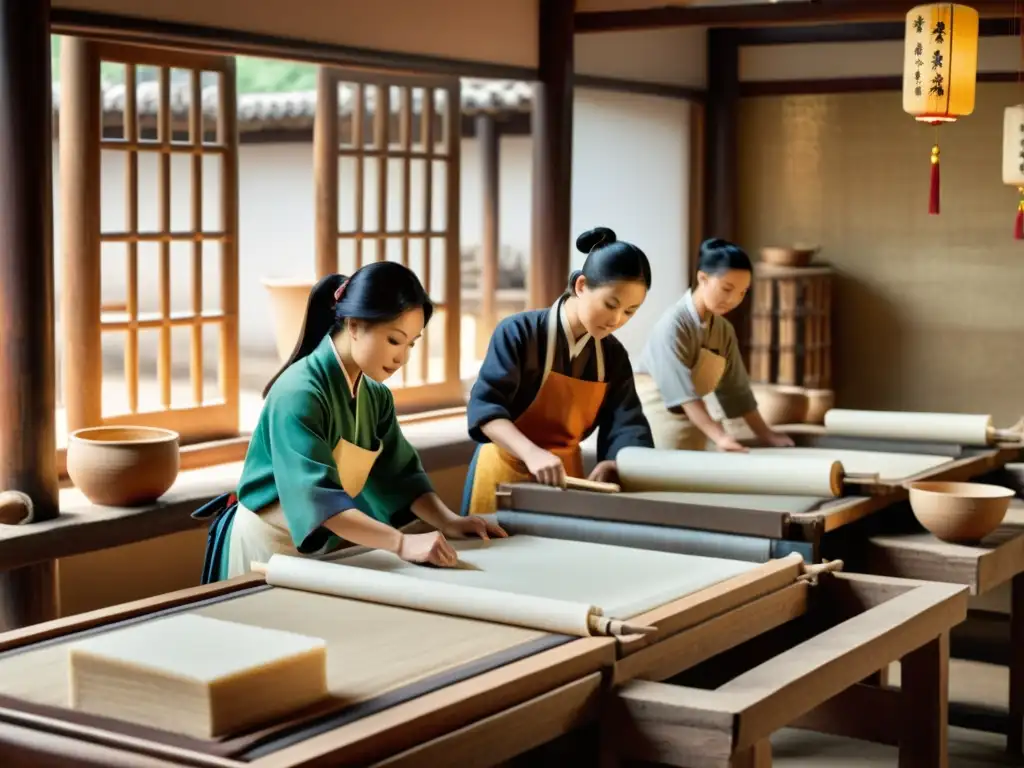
x=16, y=508
x=957, y=428
x=651, y=469
x=579, y=484
x=541, y=613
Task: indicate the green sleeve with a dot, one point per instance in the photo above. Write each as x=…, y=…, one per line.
x=397, y=478
x=733, y=391
x=305, y=474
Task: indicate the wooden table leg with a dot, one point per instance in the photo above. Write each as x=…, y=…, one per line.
x=1015, y=732
x=758, y=756
x=924, y=684
x=28, y=595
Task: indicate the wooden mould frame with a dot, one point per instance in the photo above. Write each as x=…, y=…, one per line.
x=792, y=655
x=965, y=463
x=85, y=319
x=334, y=139
x=537, y=699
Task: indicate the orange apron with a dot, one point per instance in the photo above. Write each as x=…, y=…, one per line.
x=560, y=415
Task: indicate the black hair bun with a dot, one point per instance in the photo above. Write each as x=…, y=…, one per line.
x=714, y=243
x=592, y=238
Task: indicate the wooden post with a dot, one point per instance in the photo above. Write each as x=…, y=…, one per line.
x=325, y=171
x=924, y=689
x=490, y=181
x=1015, y=733
x=721, y=176
x=80, y=215
x=227, y=136
x=28, y=443
x=551, y=121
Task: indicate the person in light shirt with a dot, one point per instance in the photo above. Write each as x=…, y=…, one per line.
x=692, y=352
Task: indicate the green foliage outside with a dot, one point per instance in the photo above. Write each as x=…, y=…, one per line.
x=253, y=75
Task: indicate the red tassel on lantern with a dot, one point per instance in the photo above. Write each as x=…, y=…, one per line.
x=1018, y=227
x=933, y=191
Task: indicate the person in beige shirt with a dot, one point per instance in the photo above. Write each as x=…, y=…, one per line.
x=692, y=352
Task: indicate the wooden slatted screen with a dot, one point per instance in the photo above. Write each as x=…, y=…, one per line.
x=386, y=166
x=195, y=119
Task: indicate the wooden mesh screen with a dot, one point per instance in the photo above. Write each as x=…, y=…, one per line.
x=171, y=134
x=387, y=188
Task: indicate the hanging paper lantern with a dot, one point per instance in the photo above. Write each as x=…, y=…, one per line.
x=1013, y=160
x=940, y=67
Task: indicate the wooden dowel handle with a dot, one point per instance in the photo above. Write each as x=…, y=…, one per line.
x=861, y=477
x=579, y=484
x=257, y=567
x=16, y=508
x=602, y=625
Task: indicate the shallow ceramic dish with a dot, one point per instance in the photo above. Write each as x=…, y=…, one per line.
x=788, y=257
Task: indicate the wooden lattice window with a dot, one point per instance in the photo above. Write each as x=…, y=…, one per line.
x=140, y=288
x=387, y=188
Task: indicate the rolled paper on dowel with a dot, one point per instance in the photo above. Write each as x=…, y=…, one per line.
x=651, y=469
x=347, y=581
x=958, y=428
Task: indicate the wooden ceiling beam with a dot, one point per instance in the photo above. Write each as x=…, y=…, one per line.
x=765, y=14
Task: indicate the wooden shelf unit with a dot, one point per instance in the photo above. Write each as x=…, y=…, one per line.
x=791, y=326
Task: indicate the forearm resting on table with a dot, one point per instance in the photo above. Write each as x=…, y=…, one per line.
x=505, y=434
x=756, y=423
x=362, y=530
x=698, y=415
x=431, y=510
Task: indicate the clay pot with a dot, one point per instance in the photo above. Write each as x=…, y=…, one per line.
x=780, y=404
x=819, y=402
x=123, y=466
x=288, y=298
x=959, y=512
x=788, y=257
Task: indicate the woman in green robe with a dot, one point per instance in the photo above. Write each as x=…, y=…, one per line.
x=327, y=463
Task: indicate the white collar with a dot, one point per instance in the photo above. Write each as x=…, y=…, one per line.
x=353, y=386
x=575, y=346
x=691, y=310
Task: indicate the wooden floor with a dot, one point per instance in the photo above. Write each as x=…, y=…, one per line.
x=969, y=682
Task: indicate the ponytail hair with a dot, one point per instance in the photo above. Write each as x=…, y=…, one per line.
x=376, y=293
x=608, y=261
x=718, y=256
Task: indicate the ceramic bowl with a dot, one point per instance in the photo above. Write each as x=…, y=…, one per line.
x=780, y=404
x=959, y=512
x=123, y=466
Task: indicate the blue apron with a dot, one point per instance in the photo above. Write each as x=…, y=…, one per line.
x=222, y=510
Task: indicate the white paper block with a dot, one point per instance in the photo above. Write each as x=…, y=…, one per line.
x=197, y=675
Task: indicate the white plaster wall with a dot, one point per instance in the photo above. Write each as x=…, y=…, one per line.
x=631, y=172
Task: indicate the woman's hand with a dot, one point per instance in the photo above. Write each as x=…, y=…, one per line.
x=473, y=526
x=430, y=548
x=545, y=467
x=606, y=471
x=729, y=444
x=778, y=439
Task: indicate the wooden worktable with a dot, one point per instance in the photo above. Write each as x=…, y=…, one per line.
x=28, y=552
x=823, y=638
x=983, y=567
